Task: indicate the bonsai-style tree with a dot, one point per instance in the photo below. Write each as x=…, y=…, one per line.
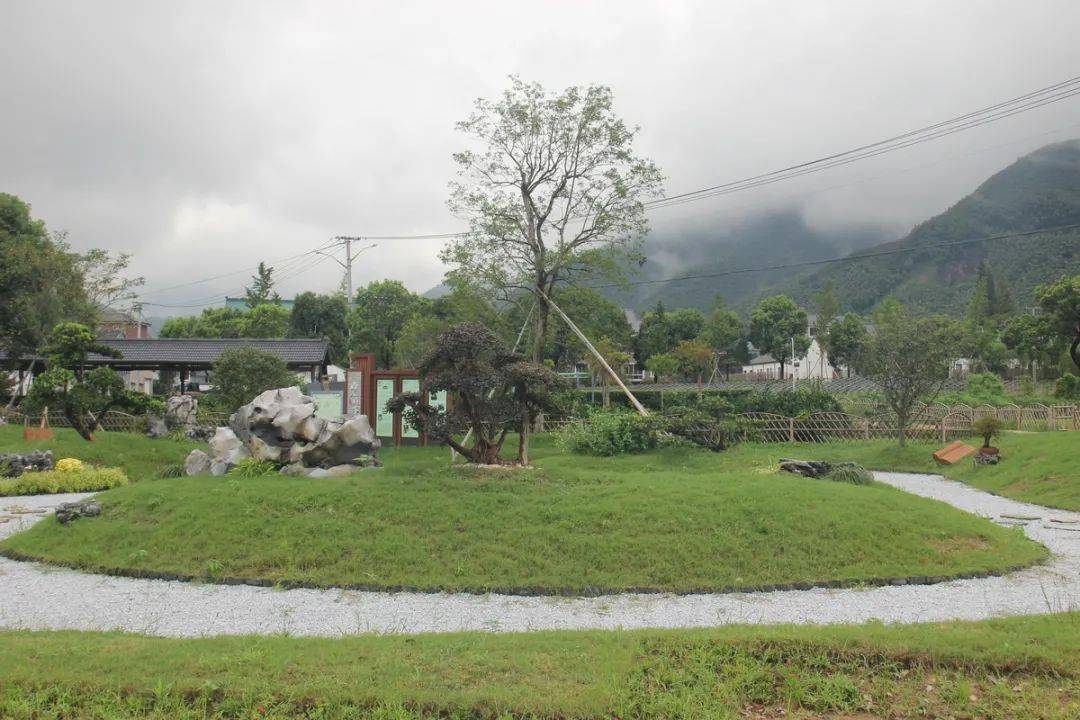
x=495, y=392
x=988, y=428
x=82, y=397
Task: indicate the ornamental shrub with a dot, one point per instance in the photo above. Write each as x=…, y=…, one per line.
x=1068, y=387
x=88, y=479
x=252, y=468
x=851, y=473
x=612, y=433
x=69, y=464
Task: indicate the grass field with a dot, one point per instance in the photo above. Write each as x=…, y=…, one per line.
x=139, y=457
x=1041, y=468
x=1014, y=669
x=672, y=520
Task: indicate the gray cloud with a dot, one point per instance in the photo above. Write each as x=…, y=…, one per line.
x=204, y=138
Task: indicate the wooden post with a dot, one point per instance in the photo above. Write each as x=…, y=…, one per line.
x=866, y=429
x=599, y=358
x=1019, y=417
x=791, y=429
x=942, y=424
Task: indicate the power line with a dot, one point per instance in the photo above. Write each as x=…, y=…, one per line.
x=992, y=113
x=846, y=258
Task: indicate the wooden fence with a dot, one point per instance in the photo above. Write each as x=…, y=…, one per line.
x=111, y=421
x=1014, y=417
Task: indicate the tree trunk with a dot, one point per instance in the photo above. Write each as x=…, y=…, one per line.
x=605, y=393
x=523, y=438
x=540, y=330
x=782, y=370
x=901, y=429
x=1074, y=349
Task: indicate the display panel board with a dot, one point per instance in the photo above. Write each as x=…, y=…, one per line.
x=328, y=404
x=384, y=421
x=409, y=385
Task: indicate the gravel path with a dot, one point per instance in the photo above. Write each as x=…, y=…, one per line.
x=35, y=596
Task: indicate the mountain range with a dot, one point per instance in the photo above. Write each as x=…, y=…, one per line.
x=1039, y=190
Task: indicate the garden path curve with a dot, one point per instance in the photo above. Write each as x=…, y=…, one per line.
x=37, y=597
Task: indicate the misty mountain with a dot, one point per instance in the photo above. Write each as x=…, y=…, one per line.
x=1041, y=189
x=767, y=239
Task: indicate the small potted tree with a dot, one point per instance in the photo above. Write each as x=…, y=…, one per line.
x=988, y=428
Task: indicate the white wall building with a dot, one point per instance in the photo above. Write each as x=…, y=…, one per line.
x=813, y=365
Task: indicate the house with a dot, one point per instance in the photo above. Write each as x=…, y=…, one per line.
x=813, y=365
x=121, y=325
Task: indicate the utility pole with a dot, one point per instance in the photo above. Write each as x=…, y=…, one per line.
x=347, y=241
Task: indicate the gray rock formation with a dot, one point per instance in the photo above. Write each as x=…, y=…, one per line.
x=280, y=426
x=66, y=512
x=196, y=463
x=181, y=411
x=14, y=465
x=806, y=468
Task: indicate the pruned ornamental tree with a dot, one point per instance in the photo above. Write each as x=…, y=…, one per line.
x=1060, y=300
x=908, y=358
x=553, y=193
x=82, y=397
x=495, y=392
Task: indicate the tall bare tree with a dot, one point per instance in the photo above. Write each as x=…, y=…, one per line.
x=554, y=193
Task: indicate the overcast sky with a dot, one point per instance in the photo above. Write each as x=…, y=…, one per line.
x=205, y=136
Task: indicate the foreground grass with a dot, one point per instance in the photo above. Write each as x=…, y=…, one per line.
x=1016, y=668
x=139, y=457
x=671, y=520
x=1041, y=468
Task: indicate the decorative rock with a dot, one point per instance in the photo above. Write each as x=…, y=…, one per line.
x=226, y=447
x=318, y=473
x=66, y=512
x=14, y=464
x=806, y=468
x=219, y=468
x=196, y=463
x=340, y=470
x=156, y=427
x=281, y=426
x=181, y=411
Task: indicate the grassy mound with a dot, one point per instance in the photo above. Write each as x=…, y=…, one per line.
x=138, y=456
x=669, y=520
x=1041, y=468
x=1015, y=669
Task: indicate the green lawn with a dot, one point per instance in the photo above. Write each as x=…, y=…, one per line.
x=139, y=457
x=674, y=520
x=1041, y=468
x=1013, y=669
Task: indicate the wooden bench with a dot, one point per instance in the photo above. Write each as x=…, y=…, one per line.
x=953, y=453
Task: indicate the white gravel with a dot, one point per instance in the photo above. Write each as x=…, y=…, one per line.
x=36, y=596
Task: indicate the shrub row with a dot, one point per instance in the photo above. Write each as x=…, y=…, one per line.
x=88, y=479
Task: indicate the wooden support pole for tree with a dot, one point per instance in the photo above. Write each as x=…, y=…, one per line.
x=600, y=358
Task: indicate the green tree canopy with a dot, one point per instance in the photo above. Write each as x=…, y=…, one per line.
x=378, y=316
x=553, y=192
x=844, y=341
x=261, y=289
x=773, y=324
x=40, y=281
x=661, y=330
x=909, y=358
x=315, y=315
x=239, y=374
x=724, y=333
x=1060, y=300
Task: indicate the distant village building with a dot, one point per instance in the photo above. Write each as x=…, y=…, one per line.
x=121, y=325
x=813, y=365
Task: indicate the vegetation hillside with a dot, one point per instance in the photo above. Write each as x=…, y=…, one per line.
x=1039, y=190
